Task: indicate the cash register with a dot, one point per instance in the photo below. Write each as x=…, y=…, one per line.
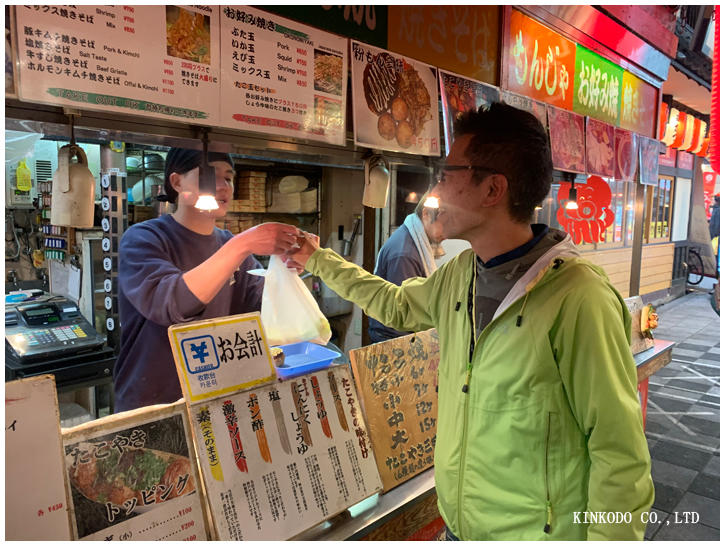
x=47, y=329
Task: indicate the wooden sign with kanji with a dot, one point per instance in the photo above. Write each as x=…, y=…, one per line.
x=397, y=381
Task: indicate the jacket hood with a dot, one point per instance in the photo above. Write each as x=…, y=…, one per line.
x=562, y=251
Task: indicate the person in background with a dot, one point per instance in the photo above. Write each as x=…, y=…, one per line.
x=408, y=252
x=539, y=424
x=178, y=268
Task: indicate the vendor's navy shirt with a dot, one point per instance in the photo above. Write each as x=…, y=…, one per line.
x=398, y=260
x=153, y=295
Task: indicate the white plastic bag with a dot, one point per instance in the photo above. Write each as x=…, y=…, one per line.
x=289, y=312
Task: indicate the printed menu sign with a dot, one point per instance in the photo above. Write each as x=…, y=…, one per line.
x=221, y=355
x=397, y=380
x=566, y=132
x=649, y=151
x=525, y=103
x=639, y=105
x=133, y=476
x=36, y=505
x=626, y=154
x=159, y=61
x=460, y=94
x=600, y=148
x=281, y=77
x=395, y=102
x=281, y=458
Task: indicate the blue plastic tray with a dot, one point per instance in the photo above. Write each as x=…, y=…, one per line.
x=304, y=357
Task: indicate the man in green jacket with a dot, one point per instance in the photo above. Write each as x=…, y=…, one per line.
x=539, y=427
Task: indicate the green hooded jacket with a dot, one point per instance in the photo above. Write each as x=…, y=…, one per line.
x=547, y=442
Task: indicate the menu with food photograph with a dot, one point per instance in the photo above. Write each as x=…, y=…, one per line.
x=157, y=61
x=460, y=94
x=133, y=476
x=281, y=77
x=281, y=458
x=525, y=103
x=566, y=132
x=649, y=151
x=395, y=102
x=626, y=154
x=600, y=148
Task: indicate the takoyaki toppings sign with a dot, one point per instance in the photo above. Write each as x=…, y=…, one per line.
x=395, y=102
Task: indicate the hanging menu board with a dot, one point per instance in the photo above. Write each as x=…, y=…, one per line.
x=158, y=61
x=397, y=380
x=281, y=77
x=525, y=103
x=282, y=458
x=626, y=154
x=460, y=94
x=133, y=476
x=395, y=102
x=600, y=148
x=36, y=505
x=649, y=151
x=567, y=134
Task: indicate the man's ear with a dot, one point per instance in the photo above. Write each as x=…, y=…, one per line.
x=495, y=188
x=175, y=181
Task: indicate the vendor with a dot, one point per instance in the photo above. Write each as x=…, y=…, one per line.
x=178, y=268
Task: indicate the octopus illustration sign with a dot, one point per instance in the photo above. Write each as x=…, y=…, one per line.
x=588, y=222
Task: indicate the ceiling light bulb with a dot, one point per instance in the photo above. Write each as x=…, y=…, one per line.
x=206, y=202
x=571, y=204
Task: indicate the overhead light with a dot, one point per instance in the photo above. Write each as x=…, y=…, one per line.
x=571, y=203
x=412, y=197
x=538, y=207
x=207, y=180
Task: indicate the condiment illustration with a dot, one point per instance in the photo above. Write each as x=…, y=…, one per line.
x=279, y=419
x=258, y=427
x=338, y=401
x=230, y=417
x=321, y=413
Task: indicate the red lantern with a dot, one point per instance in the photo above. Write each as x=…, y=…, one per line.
x=679, y=130
x=663, y=119
x=703, y=149
x=714, y=150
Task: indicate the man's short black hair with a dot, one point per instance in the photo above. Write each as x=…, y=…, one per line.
x=183, y=160
x=511, y=142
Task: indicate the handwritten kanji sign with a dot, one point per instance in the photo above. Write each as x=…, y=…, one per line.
x=397, y=382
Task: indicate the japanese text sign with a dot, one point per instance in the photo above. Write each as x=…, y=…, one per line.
x=133, y=476
x=525, y=103
x=460, y=94
x=540, y=62
x=461, y=39
x=36, y=502
x=639, y=105
x=567, y=136
x=221, y=355
x=158, y=61
x=281, y=77
x=281, y=458
x=597, y=86
x=395, y=102
x=397, y=380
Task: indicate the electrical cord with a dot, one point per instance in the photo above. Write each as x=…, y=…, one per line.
x=11, y=217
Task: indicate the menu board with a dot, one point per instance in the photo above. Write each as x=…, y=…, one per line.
x=397, y=381
x=282, y=458
x=597, y=86
x=220, y=355
x=626, y=154
x=460, y=94
x=649, y=151
x=640, y=102
x=395, y=102
x=36, y=505
x=566, y=131
x=133, y=476
x=600, y=148
x=525, y=103
x=281, y=77
x=158, y=61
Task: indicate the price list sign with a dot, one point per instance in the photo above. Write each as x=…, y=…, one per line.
x=159, y=61
x=281, y=458
x=397, y=381
x=133, y=476
x=281, y=77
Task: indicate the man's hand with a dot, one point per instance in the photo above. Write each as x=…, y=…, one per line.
x=269, y=238
x=308, y=243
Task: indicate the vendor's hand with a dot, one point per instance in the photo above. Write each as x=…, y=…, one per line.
x=270, y=238
x=308, y=243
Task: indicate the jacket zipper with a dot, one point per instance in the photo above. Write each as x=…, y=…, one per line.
x=469, y=370
x=547, y=527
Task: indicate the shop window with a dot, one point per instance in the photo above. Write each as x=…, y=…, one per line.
x=681, y=212
x=658, y=211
